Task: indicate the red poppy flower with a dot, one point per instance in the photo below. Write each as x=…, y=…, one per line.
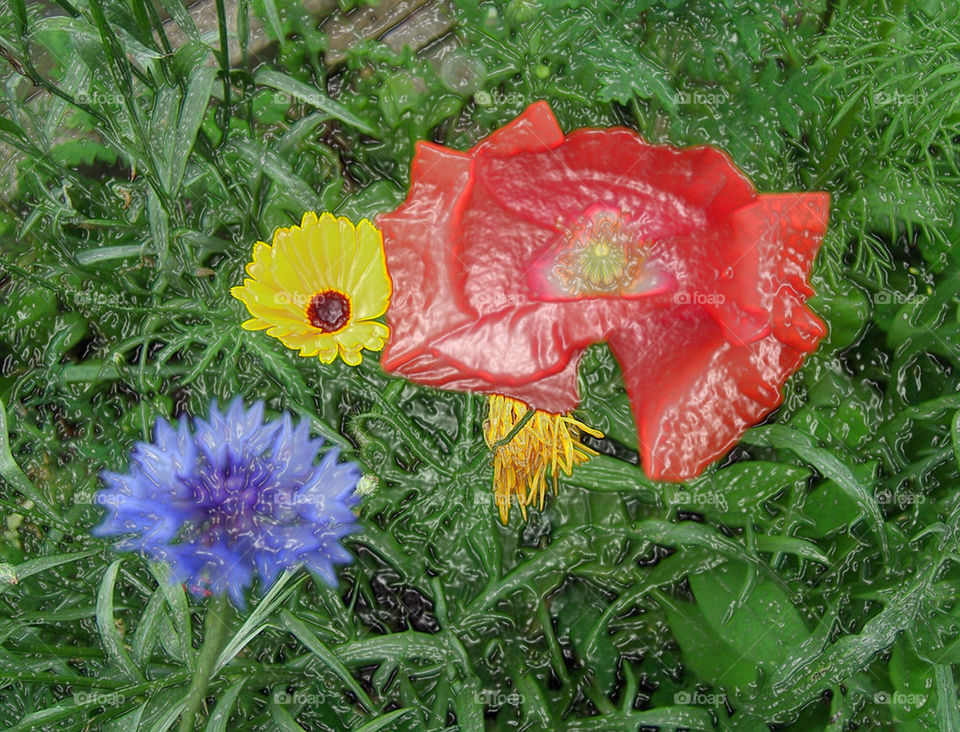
x=509, y=259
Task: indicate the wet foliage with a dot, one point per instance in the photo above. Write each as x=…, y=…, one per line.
x=807, y=581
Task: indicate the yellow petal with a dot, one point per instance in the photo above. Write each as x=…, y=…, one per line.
x=367, y=334
x=268, y=303
x=351, y=357
x=331, y=242
x=367, y=278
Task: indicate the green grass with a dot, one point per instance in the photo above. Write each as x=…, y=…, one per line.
x=808, y=582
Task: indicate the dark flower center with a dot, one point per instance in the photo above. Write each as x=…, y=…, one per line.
x=329, y=311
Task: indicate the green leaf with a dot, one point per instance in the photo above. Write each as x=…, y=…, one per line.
x=764, y=626
x=145, y=636
x=791, y=545
x=691, y=534
x=11, y=472
x=830, y=466
x=306, y=636
x=195, y=103
x=277, y=169
x=732, y=494
x=220, y=716
x=109, y=254
x=109, y=634
x=607, y=474
x=179, y=610
x=802, y=676
x=42, y=564
x=374, y=725
x=259, y=619
x=314, y=97
x=948, y=714
x=704, y=651
x=178, y=11
x=270, y=6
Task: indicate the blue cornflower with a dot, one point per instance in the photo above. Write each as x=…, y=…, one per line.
x=232, y=497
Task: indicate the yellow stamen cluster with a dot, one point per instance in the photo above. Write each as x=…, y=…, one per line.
x=543, y=442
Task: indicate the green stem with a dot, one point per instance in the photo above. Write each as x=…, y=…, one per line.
x=213, y=633
x=224, y=70
x=515, y=430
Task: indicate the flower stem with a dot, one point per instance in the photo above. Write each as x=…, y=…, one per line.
x=213, y=633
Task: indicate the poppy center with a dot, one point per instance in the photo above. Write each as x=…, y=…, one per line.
x=601, y=264
x=605, y=254
x=329, y=311
x=602, y=256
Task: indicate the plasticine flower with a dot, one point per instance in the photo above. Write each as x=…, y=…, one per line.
x=232, y=497
x=509, y=259
x=319, y=287
x=542, y=443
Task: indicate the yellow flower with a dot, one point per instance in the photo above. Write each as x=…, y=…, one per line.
x=544, y=442
x=319, y=287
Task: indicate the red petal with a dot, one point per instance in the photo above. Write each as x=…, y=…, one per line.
x=693, y=393
x=769, y=254
x=427, y=298
x=554, y=393
x=671, y=191
x=519, y=345
x=534, y=130
x=496, y=248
